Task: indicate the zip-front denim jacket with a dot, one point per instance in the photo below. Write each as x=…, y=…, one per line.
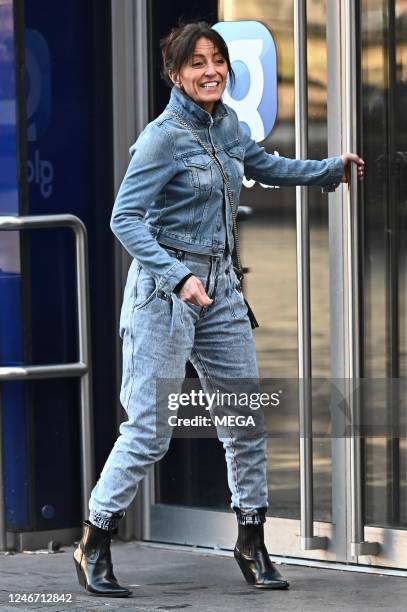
x=173, y=194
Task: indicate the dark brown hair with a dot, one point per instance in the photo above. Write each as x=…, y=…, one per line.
x=179, y=45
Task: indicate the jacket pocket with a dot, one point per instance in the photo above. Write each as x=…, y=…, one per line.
x=200, y=172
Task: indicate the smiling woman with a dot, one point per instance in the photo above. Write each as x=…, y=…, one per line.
x=198, y=65
x=175, y=213
x=203, y=78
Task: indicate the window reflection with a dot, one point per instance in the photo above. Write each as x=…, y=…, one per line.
x=9, y=241
x=384, y=93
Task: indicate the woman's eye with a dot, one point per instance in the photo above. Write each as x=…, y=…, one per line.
x=197, y=64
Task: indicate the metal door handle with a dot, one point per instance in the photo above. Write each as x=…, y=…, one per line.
x=308, y=540
x=348, y=17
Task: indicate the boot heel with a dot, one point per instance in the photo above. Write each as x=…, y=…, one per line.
x=250, y=579
x=253, y=559
x=81, y=577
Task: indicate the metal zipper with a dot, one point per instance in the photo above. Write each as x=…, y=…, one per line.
x=239, y=271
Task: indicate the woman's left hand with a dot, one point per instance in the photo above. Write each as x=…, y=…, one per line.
x=349, y=158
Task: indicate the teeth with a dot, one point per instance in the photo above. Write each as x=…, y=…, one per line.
x=210, y=85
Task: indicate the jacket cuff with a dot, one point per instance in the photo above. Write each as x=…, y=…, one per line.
x=179, y=286
x=175, y=274
x=335, y=174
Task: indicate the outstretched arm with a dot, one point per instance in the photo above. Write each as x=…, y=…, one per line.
x=276, y=170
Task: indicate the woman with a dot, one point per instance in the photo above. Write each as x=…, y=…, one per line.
x=174, y=215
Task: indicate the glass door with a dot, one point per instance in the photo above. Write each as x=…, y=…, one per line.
x=55, y=94
x=384, y=95
x=359, y=483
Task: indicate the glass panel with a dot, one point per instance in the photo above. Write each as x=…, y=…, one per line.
x=319, y=252
x=269, y=250
x=11, y=341
x=400, y=514
x=269, y=247
x=9, y=241
x=69, y=150
x=8, y=113
x=69, y=110
x=384, y=72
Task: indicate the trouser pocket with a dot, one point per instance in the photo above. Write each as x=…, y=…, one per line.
x=146, y=290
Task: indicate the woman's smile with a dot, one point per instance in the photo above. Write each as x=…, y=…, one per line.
x=210, y=85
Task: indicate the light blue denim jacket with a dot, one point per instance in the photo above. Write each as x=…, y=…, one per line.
x=172, y=192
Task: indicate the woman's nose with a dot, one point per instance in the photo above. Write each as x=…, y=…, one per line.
x=210, y=69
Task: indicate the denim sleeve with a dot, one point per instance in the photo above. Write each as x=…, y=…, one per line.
x=151, y=167
x=275, y=170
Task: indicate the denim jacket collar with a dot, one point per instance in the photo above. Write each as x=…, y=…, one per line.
x=192, y=111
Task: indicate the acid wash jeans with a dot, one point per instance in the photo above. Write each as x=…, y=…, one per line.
x=160, y=334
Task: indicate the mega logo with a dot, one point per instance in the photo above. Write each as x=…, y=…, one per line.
x=254, y=60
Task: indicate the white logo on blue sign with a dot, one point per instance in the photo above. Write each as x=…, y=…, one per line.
x=254, y=60
x=40, y=172
x=38, y=84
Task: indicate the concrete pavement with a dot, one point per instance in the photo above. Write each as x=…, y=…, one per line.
x=165, y=578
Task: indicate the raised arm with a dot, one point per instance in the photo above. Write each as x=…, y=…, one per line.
x=151, y=167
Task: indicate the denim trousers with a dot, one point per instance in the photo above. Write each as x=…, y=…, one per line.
x=160, y=334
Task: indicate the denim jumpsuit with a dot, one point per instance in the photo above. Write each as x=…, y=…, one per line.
x=174, y=218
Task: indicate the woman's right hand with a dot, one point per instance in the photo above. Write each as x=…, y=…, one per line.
x=349, y=158
x=194, y=292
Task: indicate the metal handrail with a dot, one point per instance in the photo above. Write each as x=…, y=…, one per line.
x=81, y=369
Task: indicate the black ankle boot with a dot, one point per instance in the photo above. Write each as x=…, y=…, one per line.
x=93, y=563
x=251, y=554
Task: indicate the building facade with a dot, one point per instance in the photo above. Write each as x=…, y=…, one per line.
x=326, y=276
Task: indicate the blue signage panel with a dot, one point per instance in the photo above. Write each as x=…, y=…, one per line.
x=16, y=426
x=68, y=109
x=254, y=60
x=68, y=64
x=8, y=113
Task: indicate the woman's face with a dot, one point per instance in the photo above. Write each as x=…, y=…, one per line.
x=203, y=77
